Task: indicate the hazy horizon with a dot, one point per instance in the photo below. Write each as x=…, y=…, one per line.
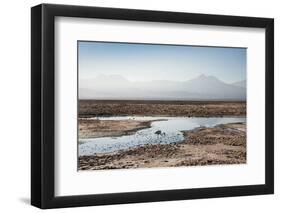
x=157, y=71
x=148, y=80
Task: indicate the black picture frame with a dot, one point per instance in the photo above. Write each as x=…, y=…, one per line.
x=43, y=105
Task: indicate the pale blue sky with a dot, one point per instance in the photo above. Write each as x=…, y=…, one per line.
x=143, y=62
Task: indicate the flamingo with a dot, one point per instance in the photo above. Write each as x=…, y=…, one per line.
x=158, y=132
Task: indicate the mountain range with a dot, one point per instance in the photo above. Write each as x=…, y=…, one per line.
x=200, y=88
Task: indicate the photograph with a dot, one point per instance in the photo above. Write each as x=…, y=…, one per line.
x=139, y=105
x=160, y=105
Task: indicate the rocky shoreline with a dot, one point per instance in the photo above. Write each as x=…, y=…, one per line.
x=222, y=144
x=95, y=128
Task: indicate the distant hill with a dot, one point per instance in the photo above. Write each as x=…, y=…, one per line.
x=200, y=88
x=240, y=84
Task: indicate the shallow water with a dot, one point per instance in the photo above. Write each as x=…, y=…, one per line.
x=171, y=126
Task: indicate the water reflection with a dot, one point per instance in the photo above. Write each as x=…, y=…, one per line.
x=170, y=128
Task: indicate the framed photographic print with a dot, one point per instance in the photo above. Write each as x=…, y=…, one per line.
x=139, y=106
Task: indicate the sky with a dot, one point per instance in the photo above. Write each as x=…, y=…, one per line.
x=145, y=62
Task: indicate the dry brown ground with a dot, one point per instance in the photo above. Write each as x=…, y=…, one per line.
x=94, y=128
x=88, y=108
x=223, y=144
